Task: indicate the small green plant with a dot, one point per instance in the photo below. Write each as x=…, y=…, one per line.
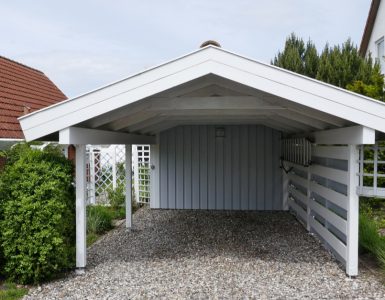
x=37, y=214
x=369, y=238
x=116, y=196
x=99, y=219
x=10, y=291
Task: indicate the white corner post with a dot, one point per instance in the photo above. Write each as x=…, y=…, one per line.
x=128, y=168
x=352, y=213
x=81, y=194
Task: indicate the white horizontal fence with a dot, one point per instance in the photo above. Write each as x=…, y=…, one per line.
x=319, y=195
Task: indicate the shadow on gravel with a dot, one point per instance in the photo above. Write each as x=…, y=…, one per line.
x=172, y=234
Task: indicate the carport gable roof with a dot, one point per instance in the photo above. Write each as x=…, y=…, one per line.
x=206, y=61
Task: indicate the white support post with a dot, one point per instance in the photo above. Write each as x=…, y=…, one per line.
x=81, y=195
x=135, y=167
x=285, y=191
x=113, y=148
x=352, y=213
x=309, y=199
x=128, y=163
x=154, y=177
x=92, y=176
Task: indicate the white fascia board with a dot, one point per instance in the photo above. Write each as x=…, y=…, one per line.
x=69, y=113
x=210, y=60
x=84, y=136
x=354, y=135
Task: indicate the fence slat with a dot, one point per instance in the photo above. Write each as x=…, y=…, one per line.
x=297, y=180
x=298, y=209
x=335, y=243
x=298, y=195
x=330, y=216
x=289, y=164
x=332, y=196
x=336, y=152
x=330, y=173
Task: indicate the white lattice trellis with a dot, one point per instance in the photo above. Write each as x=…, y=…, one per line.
x=141, y=167
x=105, y=171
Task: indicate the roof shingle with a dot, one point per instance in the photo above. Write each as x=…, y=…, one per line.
x=22, y=89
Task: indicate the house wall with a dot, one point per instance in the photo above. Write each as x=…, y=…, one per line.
x=377, y=33
x=239, y=171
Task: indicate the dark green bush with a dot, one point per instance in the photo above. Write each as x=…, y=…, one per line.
x=99, y=219
x=37, y=219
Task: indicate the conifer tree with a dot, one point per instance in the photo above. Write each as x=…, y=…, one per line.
x=340, y=65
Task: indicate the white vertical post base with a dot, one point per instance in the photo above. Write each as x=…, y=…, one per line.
x=81, y=194
x=352, y=214
x=128, y=166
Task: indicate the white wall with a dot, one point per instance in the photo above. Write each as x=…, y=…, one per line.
x=378, y=32
x=237, y=172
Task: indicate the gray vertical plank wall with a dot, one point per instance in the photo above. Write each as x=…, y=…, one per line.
x=237, y=172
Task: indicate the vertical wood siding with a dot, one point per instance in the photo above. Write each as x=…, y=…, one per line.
x=238, y=172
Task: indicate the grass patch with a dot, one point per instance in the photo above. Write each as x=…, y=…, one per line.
x=92, y=238
x=99, y=219
x=10, y=291
x=372, y=222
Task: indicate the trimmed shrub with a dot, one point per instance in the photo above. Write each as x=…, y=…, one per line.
x=37, y=219
x=99, y=219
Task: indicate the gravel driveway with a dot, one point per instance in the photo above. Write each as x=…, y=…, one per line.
x=201, y=254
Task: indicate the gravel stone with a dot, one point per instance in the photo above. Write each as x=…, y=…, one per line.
x=174, y=254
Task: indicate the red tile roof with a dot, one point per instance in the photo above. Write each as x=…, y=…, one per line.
x=22, y=90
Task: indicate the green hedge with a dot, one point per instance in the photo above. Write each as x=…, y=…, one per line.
x=37, y=215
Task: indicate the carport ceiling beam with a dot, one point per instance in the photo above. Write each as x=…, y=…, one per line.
x=83, y=136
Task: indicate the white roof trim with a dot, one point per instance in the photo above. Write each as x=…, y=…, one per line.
x=209, y=60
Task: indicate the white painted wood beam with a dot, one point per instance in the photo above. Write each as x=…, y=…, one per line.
x=315, y=123
x=158, y=127
x=292, y=125
x=131, y=120
x=81, y=195
x=128, y=173
x=188, y=87
x=124, y=112
x=354, y=135
x=307, y=111
x=84, y=136
x=352, y=213
x=155, y=105
x=221, y=102
x=214, y=89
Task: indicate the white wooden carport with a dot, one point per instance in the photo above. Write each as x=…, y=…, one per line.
x=225, y=103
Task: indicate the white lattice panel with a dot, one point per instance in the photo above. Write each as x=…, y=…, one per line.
x=141, y=166
x=105, y=171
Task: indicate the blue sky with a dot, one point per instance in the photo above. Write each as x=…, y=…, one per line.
x=82, y=45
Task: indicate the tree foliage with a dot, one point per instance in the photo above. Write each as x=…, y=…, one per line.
x=340, y=65
x=37, y=220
